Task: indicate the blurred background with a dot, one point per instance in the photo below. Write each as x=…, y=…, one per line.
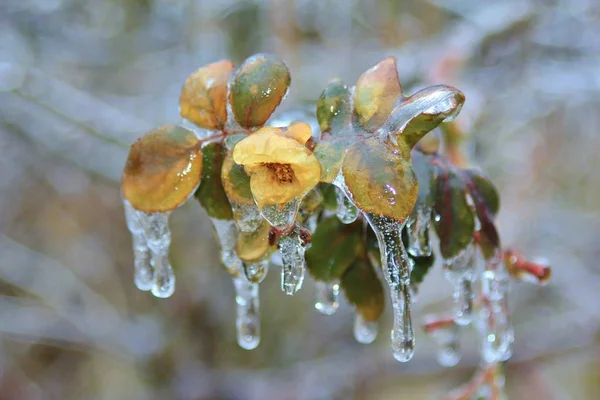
x=81, y=79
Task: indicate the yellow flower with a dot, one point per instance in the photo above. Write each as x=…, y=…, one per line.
x=278, y=163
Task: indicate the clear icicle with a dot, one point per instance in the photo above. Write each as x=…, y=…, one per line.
x=227, y=235
x=460, y=271
x=365, y=332
x=158, y=235
x=143, y=272
x=346, y=211
x=248, y=313
x=246, y=216
x=397, y=268
x=256, y=271
x=446, y=337
x=418, y=232
x=281, y=216
x=327, y=294
x=293, y=262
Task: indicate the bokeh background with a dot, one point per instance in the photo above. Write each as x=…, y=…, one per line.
x=81, y=79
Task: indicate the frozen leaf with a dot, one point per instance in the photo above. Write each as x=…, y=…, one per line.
x=163, y=169
x=454, y=219
x=363, y=289
x=334, y=247
x=421, y=266
x=236, y=182
x=210, y=193
x=380, y=179
x=330, y=152
x=252, y=246
x=377, y=91
x=257, y=89
x=329, y=193
x=487, y=202
x=424, y=111
x=485, y=189
x=425, y=176
x=334, y=107
x=203, y=98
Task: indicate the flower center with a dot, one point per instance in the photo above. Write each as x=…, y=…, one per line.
x=283, y=172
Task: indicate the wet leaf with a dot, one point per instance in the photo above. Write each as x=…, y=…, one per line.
x=334, y=107
x=203, y=98
x=421, y=266
x=380, y=179
x=377, y=91
x=334, y=247
x=423, y=112
x=257, y=89
x=454, y=222
x=163, y=169
x=485, y=189
x=236, y=182
x=330, y=152
x=210, y=193
x=363, y=289
x=252, y=246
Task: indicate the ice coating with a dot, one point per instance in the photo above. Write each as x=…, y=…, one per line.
x=246, y=216
x=292, y=251
x=346, y=211
x=418, y=231
x=281, y=216
x=365, y=332
x=226, y=233
x=460, y=271
x=256, y=271
x=151, y=241
x=396, y=267
x=248, y=313
x=327, y=297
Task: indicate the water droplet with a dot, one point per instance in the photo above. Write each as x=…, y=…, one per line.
x=418, y=232
x=256, y=271
x=346, y=211
x=281, y=216
x=448, y=357
x=226, y=233
x=365, y=332
x=248, y=313
x=463, y=302
x=293, y=262
x=444, y=331
x=327, y=294
x=397, y=268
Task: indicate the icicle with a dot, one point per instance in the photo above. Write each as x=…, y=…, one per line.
x=246, y=216
x=418, y=232
x=227, y=235
x=346, y=211
x=365, y=332
x=158, y=235
x=293, y=264
x=143, y=272
x=397, y=268
x=256, y=271
x=281, y=216
x=327, y=297
x=444, y=331
x=460, y=271
x=248, y=313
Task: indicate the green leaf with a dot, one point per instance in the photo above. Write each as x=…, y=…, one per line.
x=421, y=266
x=210, y=193
x=380, y=179
x=363, y=289
x=334, y=107
x=257, y=89
x=377, y=91
x=329, y=195
x=485, y=189
x=454, y=221
x=423, y=112
x=236, y=182
x=331, y=152
x=334, y=247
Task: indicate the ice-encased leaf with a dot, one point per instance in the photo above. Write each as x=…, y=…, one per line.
x=380, y=179
x=334, y=247
x=329, y=193
x=330, y=152
x=363, y=289
x=210, y=193
x=163, y=169
x=424, y=111
x=424, y=172
x=454, y=219
x=257, y=89
x=421, y=266
x=484, y=189
x=252, y=246
x=377, y=91
x=203, y=98
x=334, y=108
x=236, y=182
